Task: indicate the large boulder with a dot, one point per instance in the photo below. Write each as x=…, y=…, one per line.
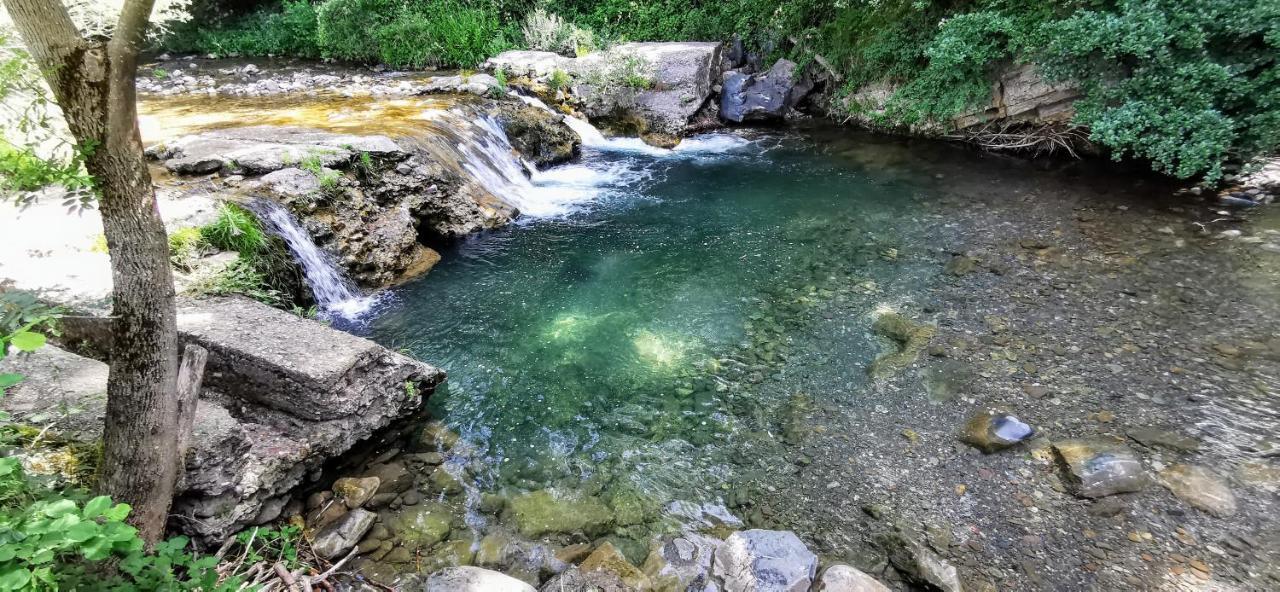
x=765, y=561
x=282, y=396
x=769, y=95
x=662, y=84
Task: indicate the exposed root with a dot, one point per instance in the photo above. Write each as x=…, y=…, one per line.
x=1038, y=139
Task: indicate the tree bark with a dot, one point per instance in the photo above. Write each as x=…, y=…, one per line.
x=93, y=81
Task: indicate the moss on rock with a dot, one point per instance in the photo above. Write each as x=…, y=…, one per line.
x=546, y=511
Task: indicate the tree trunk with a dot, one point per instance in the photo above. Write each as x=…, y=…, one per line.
x=93, y=83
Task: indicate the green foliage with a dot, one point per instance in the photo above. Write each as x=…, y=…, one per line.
x=439, y=34
x=546, y=31
x=235, y=229
x=185, y=245
x=1187, y=84
x=51, y=541
x=500, y=75
x=34, y=152
x=24, y=321
x=559, y=80
x=291, y=30
x=348, y=29
x=243, y=276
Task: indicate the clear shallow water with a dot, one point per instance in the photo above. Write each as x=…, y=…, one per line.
x=602, y=347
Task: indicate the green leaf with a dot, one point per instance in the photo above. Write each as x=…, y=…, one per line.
x=15, y=578
x=59, y=508
x=81, y=532
x=96, y=507
x=27, y=341
x=8, y=380
x=117, y=512
x=96, y=549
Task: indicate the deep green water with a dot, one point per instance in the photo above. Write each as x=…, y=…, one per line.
x=619, y=346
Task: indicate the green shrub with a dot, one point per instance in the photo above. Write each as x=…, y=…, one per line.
x=235, y=229
x=349, y=29
x=290, y=31
x=441, y=34
x=1186, y=84
x=185, y=244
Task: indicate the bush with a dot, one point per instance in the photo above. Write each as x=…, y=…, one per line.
x=544, y=31
x=441, y=34
x=348, y=29
x=235, y=229
x=1186, y=84
x=291, y=31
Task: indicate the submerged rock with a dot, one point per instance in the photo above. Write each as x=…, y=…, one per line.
x=681, y=562
x=764, y=561
x=607, y=558
x=994, y=430
x=422, y=525
x=546, y=511
x=1096, y=468
x=909, y=338
x=473, y=579
x=1199, y=487
x=842, y=578
x=764, y=96
x=1153, y=437
x=577, y=580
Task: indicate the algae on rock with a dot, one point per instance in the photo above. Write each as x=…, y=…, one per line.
x=909, y=338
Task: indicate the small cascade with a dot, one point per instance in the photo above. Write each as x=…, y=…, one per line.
x=333, y=291
x=593, y=138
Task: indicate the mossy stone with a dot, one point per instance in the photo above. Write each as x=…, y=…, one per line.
x=423, y=525
x=546, y=511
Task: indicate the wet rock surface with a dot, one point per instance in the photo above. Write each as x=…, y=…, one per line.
x=768, y=561
x=764, y=96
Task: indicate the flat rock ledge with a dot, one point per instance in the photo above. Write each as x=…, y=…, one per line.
x=281, y=396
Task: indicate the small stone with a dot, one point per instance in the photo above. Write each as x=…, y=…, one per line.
x=994, y=430
x=354, y=492
x=423, y=525
x=1153, y=437
x=606, y=557
x=842, y=578
x=1097, y=468
x=343, y=534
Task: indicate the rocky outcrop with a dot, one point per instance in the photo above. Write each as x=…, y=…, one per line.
x=539, y=135
x=663, y=84
x=1019, y=94
x=282, y=395
x=373, y=203
x=765, y=96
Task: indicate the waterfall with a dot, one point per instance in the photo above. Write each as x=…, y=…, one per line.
x=333, y=291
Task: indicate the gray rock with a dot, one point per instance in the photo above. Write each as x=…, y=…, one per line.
x=1097, y=468
x=291, y=182
x=473, y=579
x=768, y=95
x=842, y=578
x=1153, y=437
x=681, y=562
x=765, y=561
x=58, y=385
x=298, y=366
x=921, y=565
x=1201, y=488
x=355, y=492
x=263, y=149
x=341, y=536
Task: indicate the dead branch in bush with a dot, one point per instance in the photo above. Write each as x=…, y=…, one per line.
x=1046, y=138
